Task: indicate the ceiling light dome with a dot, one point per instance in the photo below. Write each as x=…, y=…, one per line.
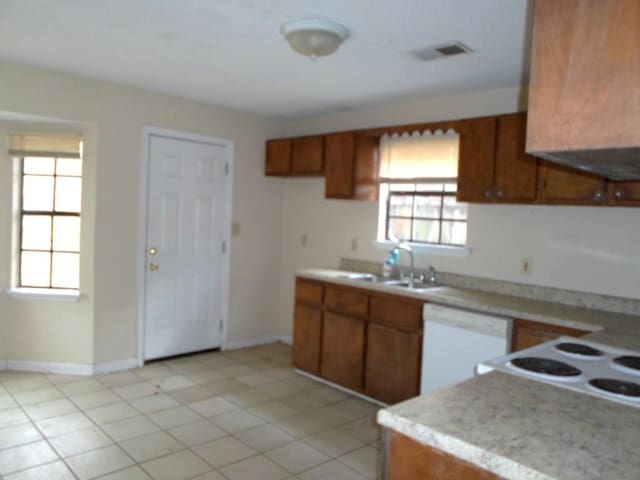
x=314, y=37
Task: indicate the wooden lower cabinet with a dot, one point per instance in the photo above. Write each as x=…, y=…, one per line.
x=343, y=346
x=526, y=333
x=393, y=364
x=307, y=334
x=407, y=459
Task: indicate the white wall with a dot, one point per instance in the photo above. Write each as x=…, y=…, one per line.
x=103, y=326
x=582, y=248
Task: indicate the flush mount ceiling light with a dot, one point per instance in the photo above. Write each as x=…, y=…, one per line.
x=314, y=37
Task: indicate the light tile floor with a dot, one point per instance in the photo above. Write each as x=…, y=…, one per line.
x=237, y=415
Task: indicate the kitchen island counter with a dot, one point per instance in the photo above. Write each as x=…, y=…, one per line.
x=525, y=430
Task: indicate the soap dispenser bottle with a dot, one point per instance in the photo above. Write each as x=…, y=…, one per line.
x=390, y=266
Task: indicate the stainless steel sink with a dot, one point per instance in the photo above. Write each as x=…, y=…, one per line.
x=403, y=283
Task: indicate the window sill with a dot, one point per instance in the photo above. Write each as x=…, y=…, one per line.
x=45, y=294
x=438, y=250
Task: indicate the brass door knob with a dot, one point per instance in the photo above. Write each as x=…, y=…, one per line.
x=153, y=267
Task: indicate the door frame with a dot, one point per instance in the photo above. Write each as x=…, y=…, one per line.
x=147, y=133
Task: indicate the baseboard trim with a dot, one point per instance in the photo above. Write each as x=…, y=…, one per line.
x=116, y=366
x=251, y=342
x=341, y=388
x=50, y=367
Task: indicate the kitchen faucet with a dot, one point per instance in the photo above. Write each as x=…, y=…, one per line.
x=407, y=248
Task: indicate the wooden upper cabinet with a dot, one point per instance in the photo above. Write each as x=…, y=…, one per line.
x=564, y=185
x=339, y=149
x=343, y=344
x=393, y=364
x=624, y=193
x=351, y=166
x=516, y=172
x=306, y=156
x=585, y=74
x=476, y=159
x=278, y=160
x=526, y=334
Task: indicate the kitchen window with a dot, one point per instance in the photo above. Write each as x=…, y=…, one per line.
x=418, y=185
x=49, y=193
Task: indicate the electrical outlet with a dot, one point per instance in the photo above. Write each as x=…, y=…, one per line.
x=303, y=239
x=526, y=265
x=354, y=244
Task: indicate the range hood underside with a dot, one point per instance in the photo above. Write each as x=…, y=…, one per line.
x=612, y=163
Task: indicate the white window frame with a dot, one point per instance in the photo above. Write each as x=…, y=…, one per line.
x=32, y=293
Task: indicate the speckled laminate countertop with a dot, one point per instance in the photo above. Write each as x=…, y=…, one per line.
x=498, y=304
x=514, y=427
x=524, y=430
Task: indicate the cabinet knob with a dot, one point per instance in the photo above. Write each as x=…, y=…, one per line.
x=488, y=194
x=500, y=193
x=617, y=194
x=598, y=196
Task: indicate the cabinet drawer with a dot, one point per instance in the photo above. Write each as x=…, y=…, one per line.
x=309, y=292
x=396, y=313
x=345, y=301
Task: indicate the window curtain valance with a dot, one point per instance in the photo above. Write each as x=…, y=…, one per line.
x=49, y=145
x=426, y=155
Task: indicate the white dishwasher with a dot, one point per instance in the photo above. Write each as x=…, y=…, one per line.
x=455, y=341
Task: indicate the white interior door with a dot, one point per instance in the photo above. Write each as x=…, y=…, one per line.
x=186, y=232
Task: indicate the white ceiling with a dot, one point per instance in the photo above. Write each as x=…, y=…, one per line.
x=230, y=52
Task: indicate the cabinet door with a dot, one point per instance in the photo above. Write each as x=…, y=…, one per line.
x=339, y=165
x=563, y=185
x=393, y=364
x=516, y=173
x=306, y=156
x=344, y=300
x=476, y=160
x=367, y=170
x=308, y=292
x=527, y=334
x=307, y=331
x=409, y=460
x=624, y=193
x=343, y=350
x=396, y=312
x=278, y=160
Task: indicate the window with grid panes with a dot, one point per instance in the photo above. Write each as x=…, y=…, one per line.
x=418, y=184
x=50, y=206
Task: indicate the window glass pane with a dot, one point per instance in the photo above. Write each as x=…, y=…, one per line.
x=400, y=228
x=453, y=209
x=66, y=234
x=69, y=166
x=426, y=231
x=429, y=187
x=37, y=193
x=454, y=233
x=400, y=205
x=36, y=232
x=34, y=269
x=451, y=187
x=427, y=206
x=66, y=270
x=39, y=165
x=68, y=194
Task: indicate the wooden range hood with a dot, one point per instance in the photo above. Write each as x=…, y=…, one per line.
x=584, y=96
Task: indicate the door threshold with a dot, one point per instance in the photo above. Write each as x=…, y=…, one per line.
x=181, y=355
